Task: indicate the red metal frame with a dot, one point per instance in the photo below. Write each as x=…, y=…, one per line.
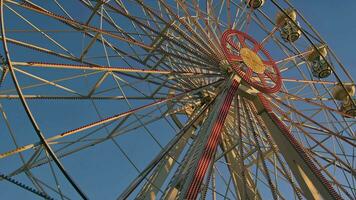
x=211, y=145
x=257, y=81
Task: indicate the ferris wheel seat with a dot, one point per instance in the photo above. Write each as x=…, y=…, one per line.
x=339, y=92
x=281, y=17
x=194, y=99
x=348, y=107
x=289, y=26
x=314, y=54
x=320, y=68
x=290, y=32
x=255, y=3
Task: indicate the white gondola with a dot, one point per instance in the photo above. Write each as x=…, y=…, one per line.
x=255, y=3
x=348, y=107
x=345, y=93
x=289, y=26
x=341, y=92
x=319, y=67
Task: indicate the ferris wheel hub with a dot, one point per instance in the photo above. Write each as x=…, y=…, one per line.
x=245, y=60
x=252, y=60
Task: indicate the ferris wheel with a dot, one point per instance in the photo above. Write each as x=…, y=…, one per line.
x=172, y=99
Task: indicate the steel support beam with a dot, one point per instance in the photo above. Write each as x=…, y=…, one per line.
x=159, y=176
x=309, y=177
x=244, y=191
x=203, y=156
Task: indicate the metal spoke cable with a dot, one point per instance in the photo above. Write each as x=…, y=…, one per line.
x=268, y=177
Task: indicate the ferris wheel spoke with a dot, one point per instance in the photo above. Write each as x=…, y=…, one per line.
x=104, y=121
x=204, y=39
x=262, y=155
x=58, y=187
x=102, y=68
x=164, y=64
x=29, y=86
x=292, y=57
x=75, y=23
x=52, y=188
x=186, y=25
x=283, y=169
x=227, y=184
x=103, y=97
x=42, y=161
x=248, y=191
x=318, y=143
x=269, y=35
x=94, y=9
x=89, y=143
x=248, y=19
x=268, y=63
x=37, y=48
x=47, y=82
x=188, y=59
x=29, y=113
x=199, y=62
x=228, y=9
x=332, y=176
x=214, y=18
x=311, y=81
x=152, y=81
x=322, y=128
x=89, y=46
x=28, y=173
x=53, y=41
x=118, y=51
x=330, y=161
x=134, y=114
x=306, y=100
x=215, y=38
x=314, y=122
x=165, y=151
x=45, y=97
x=31, y=46
x=241, y=8
x=236, y=166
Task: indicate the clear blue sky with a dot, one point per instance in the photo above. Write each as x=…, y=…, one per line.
x=335, y=20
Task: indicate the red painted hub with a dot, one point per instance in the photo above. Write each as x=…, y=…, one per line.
x=251, y=61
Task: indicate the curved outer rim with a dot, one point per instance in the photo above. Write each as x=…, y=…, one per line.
x=4, y=40
x=27, y=109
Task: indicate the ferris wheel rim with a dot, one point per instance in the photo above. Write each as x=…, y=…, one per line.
x=270, y=92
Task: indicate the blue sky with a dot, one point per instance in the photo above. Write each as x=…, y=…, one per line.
x=334, y=20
